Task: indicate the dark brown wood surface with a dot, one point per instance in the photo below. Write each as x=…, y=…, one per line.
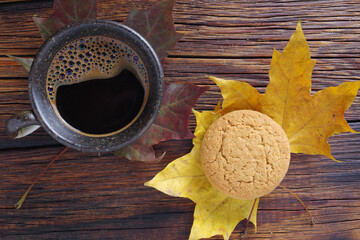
x=87, y=196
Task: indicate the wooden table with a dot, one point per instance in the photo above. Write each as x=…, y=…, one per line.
x=87, y=196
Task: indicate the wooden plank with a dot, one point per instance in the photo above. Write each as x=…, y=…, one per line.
x=107, y=193
x=230, y=29
x=12, y=1
x=327, y=71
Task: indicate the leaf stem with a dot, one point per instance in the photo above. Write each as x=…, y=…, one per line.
x=21, y=201
x=248, y=220
x=312, y=219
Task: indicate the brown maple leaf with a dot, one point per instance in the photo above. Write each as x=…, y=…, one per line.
x=156, y=25
x=170, y=123
x=65, y=13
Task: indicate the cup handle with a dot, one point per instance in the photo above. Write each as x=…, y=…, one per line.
x=21, y=124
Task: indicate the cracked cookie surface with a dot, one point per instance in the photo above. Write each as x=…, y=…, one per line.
x=245, y=154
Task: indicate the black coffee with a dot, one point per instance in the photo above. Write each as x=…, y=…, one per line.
x=102, y=105
x=98, y=85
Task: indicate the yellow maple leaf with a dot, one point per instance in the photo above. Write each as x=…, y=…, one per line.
x=308, y=120
x=215, y=213
x=237, y=95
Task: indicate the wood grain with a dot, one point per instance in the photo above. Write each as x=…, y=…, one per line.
x=86, y=196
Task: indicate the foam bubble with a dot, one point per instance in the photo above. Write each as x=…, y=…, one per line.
x=93, y=57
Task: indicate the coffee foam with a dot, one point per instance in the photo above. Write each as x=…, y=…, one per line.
x=95, y=57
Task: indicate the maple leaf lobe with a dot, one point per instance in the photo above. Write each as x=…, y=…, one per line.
x=170, y=123
x=65, y=12
x=308, y=120
x=156, y=25
x=25, y=62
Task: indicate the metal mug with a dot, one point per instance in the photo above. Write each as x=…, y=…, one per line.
x=47, y=74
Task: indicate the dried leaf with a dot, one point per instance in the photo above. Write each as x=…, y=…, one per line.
x=25, y=62
x=237, y=95
x=170, y=123
x=156, y=25
x=65, y=12
x=308, y=120
x=215, y=213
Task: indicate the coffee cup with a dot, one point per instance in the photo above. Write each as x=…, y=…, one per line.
x=94, y=86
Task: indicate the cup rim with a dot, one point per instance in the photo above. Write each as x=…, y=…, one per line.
x=45, y=113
